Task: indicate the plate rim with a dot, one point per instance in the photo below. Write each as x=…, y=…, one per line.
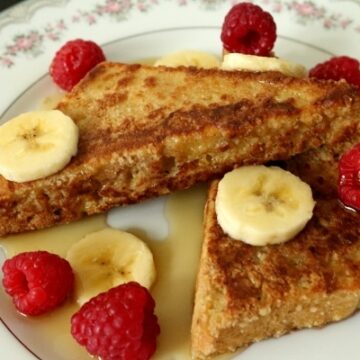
x=30, y=5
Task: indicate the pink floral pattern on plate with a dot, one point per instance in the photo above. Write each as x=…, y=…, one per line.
x=308, y=11
x=31, y=44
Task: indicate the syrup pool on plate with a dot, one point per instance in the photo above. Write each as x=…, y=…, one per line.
x=176, y=260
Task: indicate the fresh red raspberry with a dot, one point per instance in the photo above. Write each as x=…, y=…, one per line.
x=37, y=281
x=349, y=178
x=119, y=324
x=341, y=67
x=73, y=61
x=248, y=29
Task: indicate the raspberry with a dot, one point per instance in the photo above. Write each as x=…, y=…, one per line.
x=37, y=281
x=349, y=178
x=73, y=61
x=119, y=324
x=341, y=67
x=248, y=29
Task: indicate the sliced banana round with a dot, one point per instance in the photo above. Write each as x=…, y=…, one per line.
x=189, y=58
x=263, y=205
x=107, y=258
x=235, y=61
x=36, y=144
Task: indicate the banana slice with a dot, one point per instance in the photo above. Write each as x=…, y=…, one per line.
x=263, y=205
x=107, y=258
x=235, y=61
x=189, y=58
x=36, y=144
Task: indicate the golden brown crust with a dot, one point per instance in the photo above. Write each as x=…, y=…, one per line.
x=319, y=166
x=146, y=131
x=245, y=293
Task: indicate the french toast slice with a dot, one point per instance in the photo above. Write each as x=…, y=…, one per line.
x=245, y=293
x=146, y=131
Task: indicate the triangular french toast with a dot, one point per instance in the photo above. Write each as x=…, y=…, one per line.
x=146, y=131
x=246, y=293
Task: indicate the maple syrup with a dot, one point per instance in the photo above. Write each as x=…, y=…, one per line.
x=176, y=261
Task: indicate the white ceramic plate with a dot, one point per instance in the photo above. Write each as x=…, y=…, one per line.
x=30, y=33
